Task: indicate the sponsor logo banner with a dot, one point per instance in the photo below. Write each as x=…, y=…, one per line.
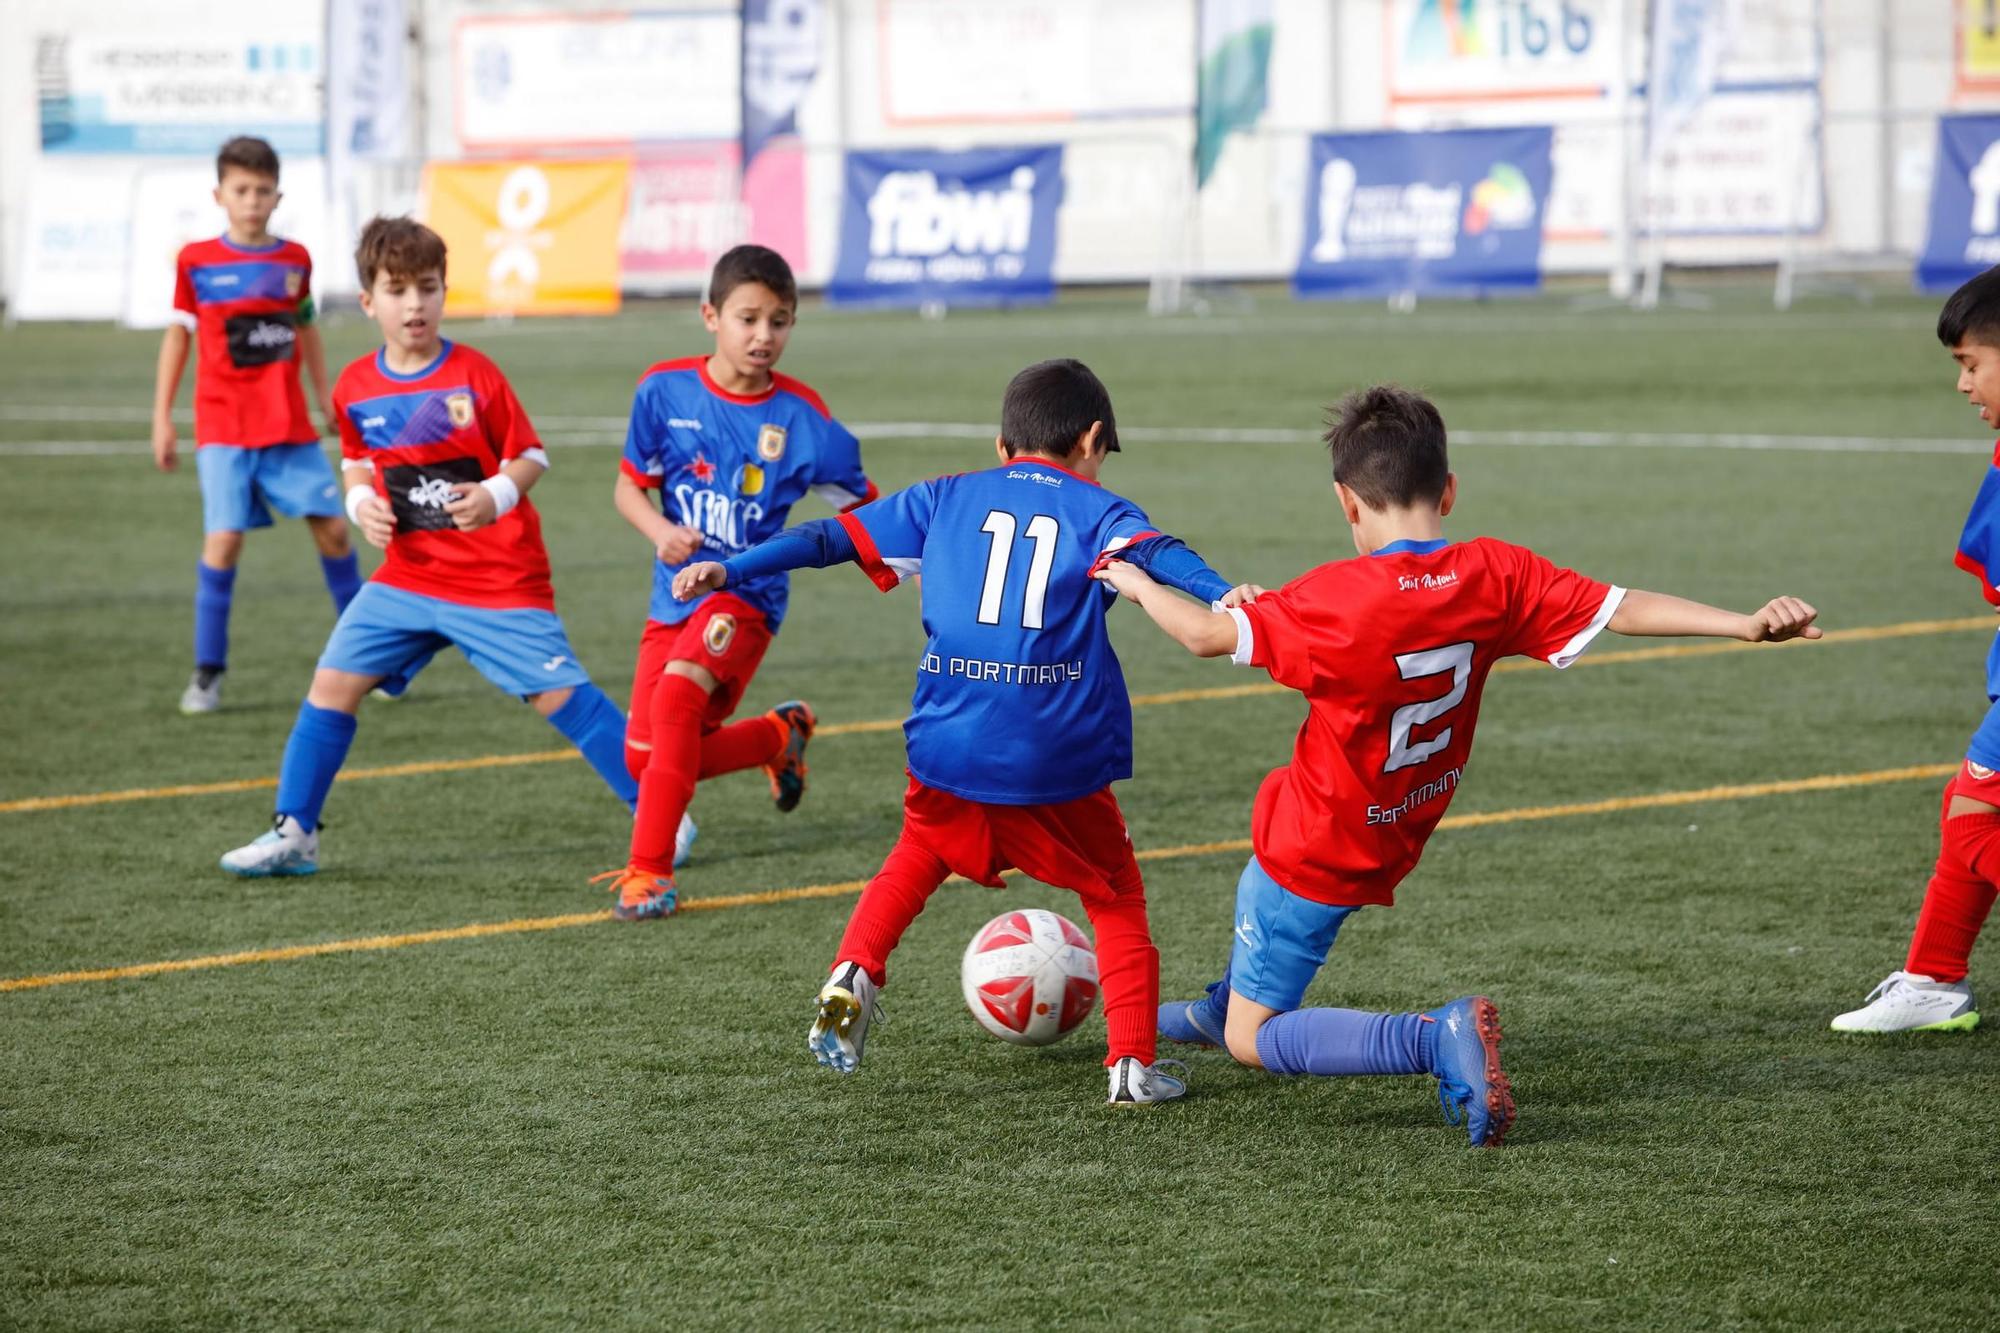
x=529, y=238
x=1447, y=211
x=969, y=228
x=780, y=58
x=1963, y=238
x=683, y=211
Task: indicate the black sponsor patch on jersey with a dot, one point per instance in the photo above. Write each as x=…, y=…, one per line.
x=258, y=340
x=418, y=492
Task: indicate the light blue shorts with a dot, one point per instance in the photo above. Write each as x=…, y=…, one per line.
x=240, y=487
x=393, y=634
x=1281, y=940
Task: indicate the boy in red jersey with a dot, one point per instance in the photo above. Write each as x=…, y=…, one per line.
x=1392, y=652
x=730, y=445
x=247, y=295
x=438, y=458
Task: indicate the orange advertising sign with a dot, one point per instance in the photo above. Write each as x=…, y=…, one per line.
x=529, y=238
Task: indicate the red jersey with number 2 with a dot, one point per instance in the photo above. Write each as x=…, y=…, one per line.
x=1392, y=652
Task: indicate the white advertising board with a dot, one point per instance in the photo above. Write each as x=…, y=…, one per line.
x=74, y=239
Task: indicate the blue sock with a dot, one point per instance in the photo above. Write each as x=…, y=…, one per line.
x=315, y=752
x=1215, y=1005
x=595, y=726
x=212, y=591
x=343, y=578
x=1331, y=1042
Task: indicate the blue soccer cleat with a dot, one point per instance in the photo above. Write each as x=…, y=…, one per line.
x=684, y=837
x=286, y=848
x=1472, y=1088
x=787, y=771
x=1197, y=1022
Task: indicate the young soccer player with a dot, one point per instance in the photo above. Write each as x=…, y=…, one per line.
x=1930, y=993
x=1021, y=722
x=1391, y=651
x=730, y=445
x=438, y=458
x=247, y=295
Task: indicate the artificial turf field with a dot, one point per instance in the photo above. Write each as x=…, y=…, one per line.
x=574, y=1121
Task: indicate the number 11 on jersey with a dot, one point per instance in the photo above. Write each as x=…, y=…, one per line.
x=1001, y=528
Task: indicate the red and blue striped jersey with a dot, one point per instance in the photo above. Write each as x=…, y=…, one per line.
x=245, y=307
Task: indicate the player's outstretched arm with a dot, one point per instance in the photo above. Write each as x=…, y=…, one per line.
x=166, y=383
x=1652, y=614
x=1203, y=632
x=813, y=545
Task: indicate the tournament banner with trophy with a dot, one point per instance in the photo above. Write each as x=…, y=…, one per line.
x=529, y=238
x=1962, y=239
x=1447, y=212
x=922, y=228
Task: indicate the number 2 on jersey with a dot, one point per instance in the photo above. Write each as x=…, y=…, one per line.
x=1000, y=527
x=1453, y=657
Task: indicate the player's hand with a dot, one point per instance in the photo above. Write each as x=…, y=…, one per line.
x=166, y=445
x=378, y=524
x=696, y=579
x=677, y=544
x=1785, y=618
x=1241, y=593
x=1129, y=580
x=475, y=506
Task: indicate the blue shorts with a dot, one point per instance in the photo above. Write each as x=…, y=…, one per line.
x=240, y=487
x=393, y=634
x=1281, y=940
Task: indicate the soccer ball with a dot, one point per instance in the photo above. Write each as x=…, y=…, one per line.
x=1030, y=976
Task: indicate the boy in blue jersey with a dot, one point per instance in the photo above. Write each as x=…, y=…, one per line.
x=1021, y=721
x=729, y=445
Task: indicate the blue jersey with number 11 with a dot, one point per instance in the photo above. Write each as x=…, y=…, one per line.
x=1019, y=698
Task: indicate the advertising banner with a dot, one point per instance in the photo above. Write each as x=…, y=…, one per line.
x=1977, y=42
x=367, y=93
x=971, y=228
x=529, y=238
x=780, y=59
x=1445, y=211
x=172, y=205
x=683, y=212
x=1963, y=238
x=74, y=240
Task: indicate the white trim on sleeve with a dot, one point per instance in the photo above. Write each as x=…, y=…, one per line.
x=1574, y=648
x=535, y=454
x=1246, y=638
x=836, y=498
x=183, y=318
x=904, y=567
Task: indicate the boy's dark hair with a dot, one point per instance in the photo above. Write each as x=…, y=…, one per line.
x=247, y=154
x=401, y=247
x=1973, y=311
x=1388, y=447
x=752, y=263
x=1050, y=405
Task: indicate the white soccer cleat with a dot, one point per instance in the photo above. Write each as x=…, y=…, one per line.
x=203, y=693
x=684, y=837
x=286, y=848
x=1134, y=1084
x=840, y=1028
x=1912, y=1002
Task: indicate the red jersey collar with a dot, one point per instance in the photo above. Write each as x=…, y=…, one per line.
x=749, y=400
x=1043, y=460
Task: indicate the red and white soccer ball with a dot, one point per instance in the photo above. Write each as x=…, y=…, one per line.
x=1030, y=976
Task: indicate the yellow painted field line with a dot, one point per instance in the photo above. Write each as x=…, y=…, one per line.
x=524, y=925
x=1865, y=634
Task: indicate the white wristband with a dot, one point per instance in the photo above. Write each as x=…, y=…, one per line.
x=504, y=492
x=355, y=495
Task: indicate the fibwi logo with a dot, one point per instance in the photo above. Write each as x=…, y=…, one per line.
x=965, y=234
x=1504, y=201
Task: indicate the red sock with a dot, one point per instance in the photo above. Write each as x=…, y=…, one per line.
x=744, y=744
x=667, y=785
x=636, y=758
x=888, y=905
x=1128, y=969
x=1960, y=894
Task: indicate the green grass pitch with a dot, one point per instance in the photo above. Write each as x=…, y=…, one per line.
x=618, y=1126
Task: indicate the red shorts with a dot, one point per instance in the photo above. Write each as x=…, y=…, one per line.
x=1975, y=783
x=725, y=634
x=1079, y=845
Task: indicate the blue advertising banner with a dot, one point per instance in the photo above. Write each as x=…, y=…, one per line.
x=1963, y=238
x=1423, y=212
x=972, y=228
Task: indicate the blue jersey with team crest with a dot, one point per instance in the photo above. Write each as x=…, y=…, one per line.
x=733, y=466
x=1019, y=699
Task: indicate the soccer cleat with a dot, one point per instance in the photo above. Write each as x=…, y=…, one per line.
x=684, y=837
x=286, y=848
x=642, y=895
x=840, y=1026
x=1471, y=1086
x=1134, y=1084
x=203, y=693
x=788, y=771
x=1912, y=1002
x=1197, y=1022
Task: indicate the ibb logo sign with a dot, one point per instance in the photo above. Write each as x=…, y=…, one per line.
x=523, y=203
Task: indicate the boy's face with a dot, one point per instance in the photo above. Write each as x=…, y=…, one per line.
x=750, y=329
x=407, y=309
x=1979, y=377
x=249, y=198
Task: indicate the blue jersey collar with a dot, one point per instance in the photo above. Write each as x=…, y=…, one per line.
x=277, y=243
x=382, y=363
x=1409, y=546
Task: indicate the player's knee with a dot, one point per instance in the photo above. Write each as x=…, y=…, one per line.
x=637, y=756
x=550, y=702
x=693, y=671
x=1239, y=1035
x=221, y=550
x=330, y=535
x=341, y=691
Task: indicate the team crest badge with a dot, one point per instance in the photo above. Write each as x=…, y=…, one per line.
x=293, y=281
x=720, y=633
x=753, y=480
x=771, y=443
x=1979, y=772
x=459, y=405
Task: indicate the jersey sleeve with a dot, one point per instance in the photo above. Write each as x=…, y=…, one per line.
x=1124, y=523
x=184, y=313
x=642, y=462
x=889, y=534
x=838, y=478
x=353, y=451
x=508, y=429
x=1271, y=633
x=1556, y=611
x=307, y=311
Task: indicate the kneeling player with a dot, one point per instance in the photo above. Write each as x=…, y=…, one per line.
x=1391, y=651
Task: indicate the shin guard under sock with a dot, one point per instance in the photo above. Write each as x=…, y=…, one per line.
x=213, y=590
x=1331, y=1042
x=313, y=755
x=343, y=578
x=890, y=902
x=594, y=726
x=667, y=785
